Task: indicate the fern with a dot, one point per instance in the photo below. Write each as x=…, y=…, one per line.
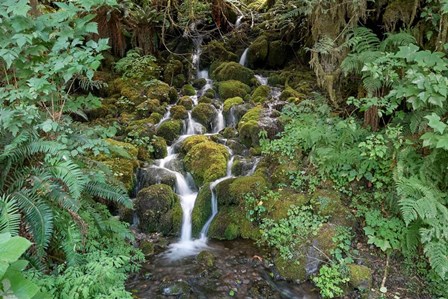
x=109, y=192
x=71, y=175
x=9, y=216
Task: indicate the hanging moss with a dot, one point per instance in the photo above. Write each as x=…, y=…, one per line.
x=232, y=88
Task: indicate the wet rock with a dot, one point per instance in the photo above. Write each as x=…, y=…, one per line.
x=188, y=90
x=202, y=209
x=179, y=112
x=233, y=71
x=206, y=258
x=186, y=101
x=258, y=52
x=158, y=209
x=153, y=176
x=177, y=288
x=170, y=130
x=232, y=88
x=205, y=114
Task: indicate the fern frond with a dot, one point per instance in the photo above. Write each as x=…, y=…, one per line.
x=71, y=175
x=9, y=216
x=109, y=192
x=37, y=215
x=437, y=253
x=395, y=40
x=362, y=39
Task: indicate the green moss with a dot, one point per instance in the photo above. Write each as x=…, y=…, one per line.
x=232, y=191
x=161, y=91
x=289, y=94
x=278, y=209
x=216, y=51
x=278, y=54
x=154, y=206
x=202, y=209
x=130, y=149
x=204, y=114
x=281, y=173
x=233, y=71
x=199, y=83
x=172, y=69
x=146, y=108
x=231, y=223
x=159, y=147
x=206, y=161
x=291, y=269
x=170, y=130
x=229, y=132
x=186, y=101
x=229, y=103
x=147, y=247
x=188, y=90
x=360, y=277
x=191, y=141
x=155, y=117
x=179, y=112
x=276, y=79
x=258, y=52
x=248, y=127
x=206, y=258
x=261, y=94
x=205, y=100
x=232, y=88
x=210, y=93
x=328, y=203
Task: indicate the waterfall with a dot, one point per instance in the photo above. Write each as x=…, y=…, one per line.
x=243, y=59
x=262, y=80
x=238, y=21
x=219, y=123
x=214, y=198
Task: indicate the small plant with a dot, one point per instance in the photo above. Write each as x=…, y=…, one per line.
x=256, y=207
x=330, y=280
x=137, y=66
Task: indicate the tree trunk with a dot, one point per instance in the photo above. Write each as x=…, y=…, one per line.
x=371, y=118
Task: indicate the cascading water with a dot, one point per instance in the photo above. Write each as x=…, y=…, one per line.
x=243, y=59
x=238, y=21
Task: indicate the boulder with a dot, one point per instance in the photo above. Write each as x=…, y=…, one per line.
x=205, y=114
x=232, y=88
x=261, y=94
x=188, y=90
x=179, y=112
x=170, y=130
x=258, y=52
x=233, y=71
x=152, y=176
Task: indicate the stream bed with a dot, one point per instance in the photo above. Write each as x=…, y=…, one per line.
x=225, y=269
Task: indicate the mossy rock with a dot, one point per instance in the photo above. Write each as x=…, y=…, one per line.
x=328, y=203
x=199, y=83
x=186, y=101
x=163, y=92
x=258, y=52
x=188, y=90
x=205, y=99
x=123, y=161
x=159, y=147
x=210, y=93
x=290, y=94
x=231, y=223
x=276, y=79
x=261, y=94
x=148, y=107
x=248, y=127
x=229, y=103
x=206, y=258
x=360, y=278
x=232, y=191
x=278, y=209
x=179, y=80
x=191, y=141
x=202, y=209
x=170, y=130
x=281, y=173
x=147, y=247
x=154, y=206
x=204, y=114
x=206, y=161
x=278, y=54
x=216, y=51
x=142, y=127
x=294, y=269
x=233, y=71
x=179, y=112
x=232, y=88
x=229, y=133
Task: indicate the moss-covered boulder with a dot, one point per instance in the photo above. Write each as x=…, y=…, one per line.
x=205, y=99
x=162, y=91
x=153, y=175
x=210, y=93
x=122, y=161
x=233, y=71
x=360, y=278
x=170, y=130
x=179, y=112
x=159, y=147
x=231, y=223
x=291, y=95
x=188, y=90
x=328, y=203
x=199, y=83
x=206, y=161
x=232, y=88
x=248, y=127
x=216, y=51
x=204, y=114
x=278, y=54
x=231, y=102
x=278, y=209
x=147, y=247
x=186, y=101
x=145, y=127
x=202, y=209
x=148, y=107
x=258, y=52
x=232, y=191
x=294, y=269
x=156, y=206
x=261, y=94
x=171, y=73
x=191, y=141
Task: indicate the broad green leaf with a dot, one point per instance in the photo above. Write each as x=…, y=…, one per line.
x=435, y=123
x=13, y=248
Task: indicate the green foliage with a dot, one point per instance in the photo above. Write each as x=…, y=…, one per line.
x=330, y=280
x=285, y=233
x=12, y=282
x=255, y=207
x=136, y=66
x=385, y=233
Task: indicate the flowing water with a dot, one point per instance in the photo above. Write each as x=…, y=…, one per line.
x=238, y=268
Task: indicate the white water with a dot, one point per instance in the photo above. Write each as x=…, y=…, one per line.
x=166, y=116
x=219, y=123
x=262, y=80
x=238, y=21
x=243, y=59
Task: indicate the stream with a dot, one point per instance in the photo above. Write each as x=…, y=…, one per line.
x=190, y=267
